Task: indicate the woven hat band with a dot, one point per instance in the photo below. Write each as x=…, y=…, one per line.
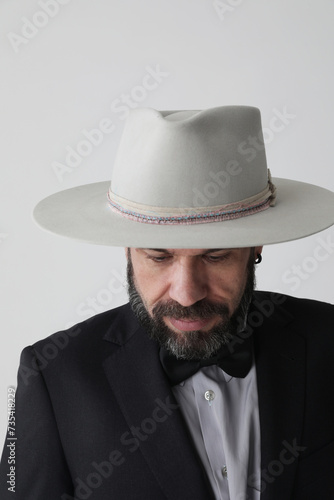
x=193, y=215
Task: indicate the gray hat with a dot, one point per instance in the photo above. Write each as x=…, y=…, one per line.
x=189, y=179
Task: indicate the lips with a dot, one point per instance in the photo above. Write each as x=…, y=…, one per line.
x=190, y=325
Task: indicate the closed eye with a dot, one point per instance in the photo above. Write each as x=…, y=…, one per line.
x=216, y=258
x=158, y=259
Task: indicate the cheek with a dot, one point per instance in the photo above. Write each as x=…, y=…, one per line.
x=230, y=284
x=151, y=286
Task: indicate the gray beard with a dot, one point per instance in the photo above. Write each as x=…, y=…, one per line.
x=195, y=344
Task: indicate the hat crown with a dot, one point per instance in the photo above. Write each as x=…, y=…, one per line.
x=190, y=158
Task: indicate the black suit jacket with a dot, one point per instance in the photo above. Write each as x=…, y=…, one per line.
x=96, y=418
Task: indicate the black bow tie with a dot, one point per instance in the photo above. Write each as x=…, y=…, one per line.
x=236, y=361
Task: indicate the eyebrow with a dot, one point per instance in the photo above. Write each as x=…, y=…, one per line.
x=213, y=250
x=164, y=250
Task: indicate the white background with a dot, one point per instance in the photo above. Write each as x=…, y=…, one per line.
x=63, y=77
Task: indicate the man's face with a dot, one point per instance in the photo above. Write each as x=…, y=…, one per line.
x=191, y=301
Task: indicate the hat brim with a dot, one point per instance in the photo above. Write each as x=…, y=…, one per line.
x=83, y=213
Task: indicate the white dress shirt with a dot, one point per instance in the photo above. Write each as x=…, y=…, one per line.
x=223, y=418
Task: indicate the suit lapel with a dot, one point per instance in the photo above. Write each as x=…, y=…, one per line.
x=280, y=364
x=144, y=396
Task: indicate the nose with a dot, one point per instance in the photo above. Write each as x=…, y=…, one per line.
x=188, y=284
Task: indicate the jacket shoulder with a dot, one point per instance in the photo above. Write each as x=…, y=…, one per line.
x=307, y=315
x=88, y=340
x=294, y=304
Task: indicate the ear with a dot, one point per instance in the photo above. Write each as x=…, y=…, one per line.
x=258, y=250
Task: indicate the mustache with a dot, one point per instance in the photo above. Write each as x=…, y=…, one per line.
x=202, y=309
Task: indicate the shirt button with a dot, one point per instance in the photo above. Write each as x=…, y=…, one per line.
x=209, y=396
x=224, y=471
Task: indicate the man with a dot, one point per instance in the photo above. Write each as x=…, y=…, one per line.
x=200, y=387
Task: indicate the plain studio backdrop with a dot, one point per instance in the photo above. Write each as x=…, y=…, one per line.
x=70, y=67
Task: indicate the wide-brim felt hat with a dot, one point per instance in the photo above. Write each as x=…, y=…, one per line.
x=189, y=179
